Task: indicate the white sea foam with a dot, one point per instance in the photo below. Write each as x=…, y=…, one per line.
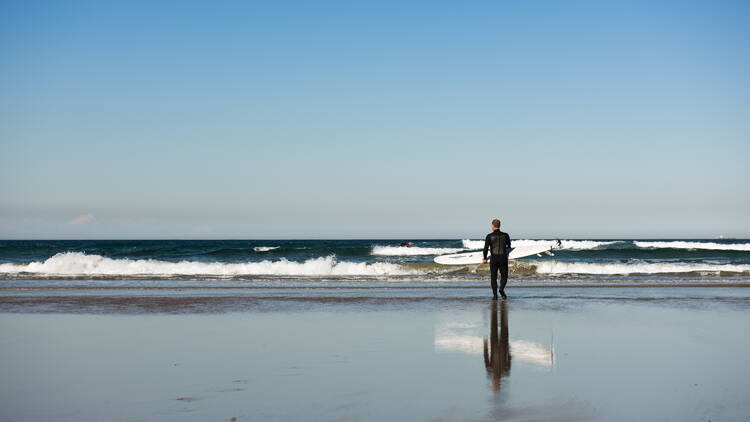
x=265, y=248
x=694, y=245
x=411, y=250
x=566, y=244
x=80, y=264
x=473, y=244
x=636, y=267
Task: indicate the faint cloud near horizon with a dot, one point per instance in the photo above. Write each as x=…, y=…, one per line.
x=82, y=219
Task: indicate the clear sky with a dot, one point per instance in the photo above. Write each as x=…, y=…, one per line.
x=278, y=119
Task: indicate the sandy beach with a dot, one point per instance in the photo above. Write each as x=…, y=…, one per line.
x=575, y=353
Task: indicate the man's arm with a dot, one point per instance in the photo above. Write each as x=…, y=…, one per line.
x=507, y=236
x=486, y=247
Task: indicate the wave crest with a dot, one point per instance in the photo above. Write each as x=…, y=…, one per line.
x=566, y=244
x=80, y=264
x=621, y=268
x=412, y=250
x=472, y=244
x=694, y=245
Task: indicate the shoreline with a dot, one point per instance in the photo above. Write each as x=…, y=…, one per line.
x=385, y=287
x=217, y=300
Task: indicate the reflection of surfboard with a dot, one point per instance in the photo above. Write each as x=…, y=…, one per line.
x=476, y=257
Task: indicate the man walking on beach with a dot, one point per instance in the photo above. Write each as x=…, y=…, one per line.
x=498, y=244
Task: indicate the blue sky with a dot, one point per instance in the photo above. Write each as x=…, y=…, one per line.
x=374, y=119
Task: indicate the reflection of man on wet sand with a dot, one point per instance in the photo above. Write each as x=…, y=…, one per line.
x=497, y=358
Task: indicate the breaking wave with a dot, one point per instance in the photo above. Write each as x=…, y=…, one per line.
x=412, y=250
x=473, y=244
x=80, y=264
x=618, y=268
x=265, y=248
x=566, y=244
x=694, y=245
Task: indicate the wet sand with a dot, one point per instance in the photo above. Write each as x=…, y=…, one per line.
x=575, y=353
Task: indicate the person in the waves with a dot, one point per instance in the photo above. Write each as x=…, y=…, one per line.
x=498, y=244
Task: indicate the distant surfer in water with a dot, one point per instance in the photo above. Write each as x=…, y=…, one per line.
x=498, y=244
x=405, y=244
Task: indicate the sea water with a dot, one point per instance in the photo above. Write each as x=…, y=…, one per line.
x=143, y=263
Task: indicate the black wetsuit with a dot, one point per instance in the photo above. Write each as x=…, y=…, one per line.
x=498, y=244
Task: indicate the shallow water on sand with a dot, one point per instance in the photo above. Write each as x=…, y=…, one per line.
x=545, y=354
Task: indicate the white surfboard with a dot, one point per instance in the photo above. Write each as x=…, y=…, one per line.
x=476, y=257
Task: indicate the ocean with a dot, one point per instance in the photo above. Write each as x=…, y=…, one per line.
x=145, y=263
